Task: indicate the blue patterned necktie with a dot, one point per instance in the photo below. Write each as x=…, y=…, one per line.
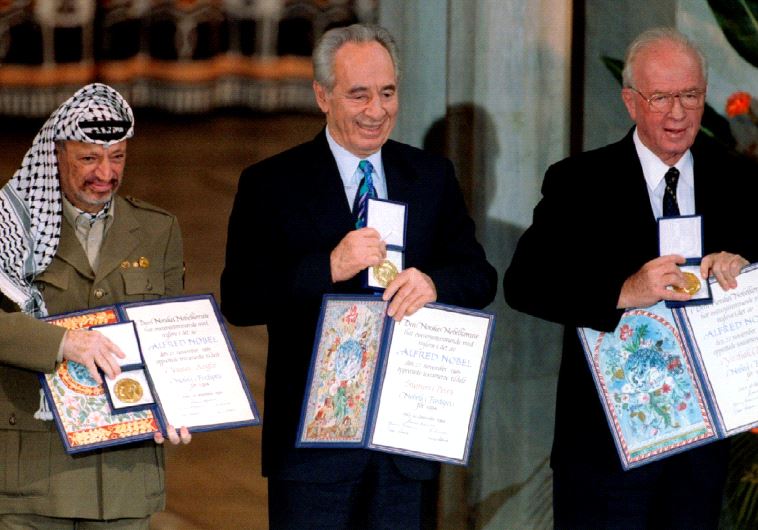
x=670, y=204
x=365, y=192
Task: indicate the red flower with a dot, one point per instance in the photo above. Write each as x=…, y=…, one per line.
x=737, y=104
x=351, y=316
x=681, y=406
x=665, y=388
x=625, y=332
x=675, y=363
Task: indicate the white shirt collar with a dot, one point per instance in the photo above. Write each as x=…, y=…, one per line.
x=77, y=216
x=654, y=169
x=347, y=162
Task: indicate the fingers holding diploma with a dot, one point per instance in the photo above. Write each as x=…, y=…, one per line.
x=724, y=266
x=409, y=292
x=182, y=436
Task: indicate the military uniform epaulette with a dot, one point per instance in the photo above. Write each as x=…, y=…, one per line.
x=139, y=203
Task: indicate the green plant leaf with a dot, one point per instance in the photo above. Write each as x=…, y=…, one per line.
x=739, y=22
x=614, y=66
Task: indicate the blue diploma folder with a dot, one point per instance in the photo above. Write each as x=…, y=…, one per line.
x=411, y=387
x=83, y=410
x=671, y=379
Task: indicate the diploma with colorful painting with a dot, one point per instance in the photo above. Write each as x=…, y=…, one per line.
x=671, y=379
x=180, y=369
x=410, y=387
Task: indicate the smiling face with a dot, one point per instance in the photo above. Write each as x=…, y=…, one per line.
x=89, y=173
x=665, y=67
x=361, y=108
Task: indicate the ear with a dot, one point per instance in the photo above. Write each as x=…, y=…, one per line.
x=322, y=96
x=627, y=94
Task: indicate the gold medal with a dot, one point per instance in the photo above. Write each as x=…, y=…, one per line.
x=128, y=390
x=144, y=263
x=385, y=272
x=691, y=284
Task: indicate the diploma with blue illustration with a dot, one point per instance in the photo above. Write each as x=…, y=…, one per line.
x=671, y=379
x=180, y=369
x=411, y=387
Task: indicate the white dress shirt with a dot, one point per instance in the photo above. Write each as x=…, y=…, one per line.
x=347, y=163
x=654, y=171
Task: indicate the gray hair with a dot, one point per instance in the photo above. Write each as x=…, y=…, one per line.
x=655, y=36
x=331, y=41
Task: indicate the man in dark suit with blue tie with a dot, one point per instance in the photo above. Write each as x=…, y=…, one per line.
x=293, y=237
x=592, y=251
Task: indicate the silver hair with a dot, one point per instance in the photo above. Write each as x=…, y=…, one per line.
x=331, y=41
x=655, y=36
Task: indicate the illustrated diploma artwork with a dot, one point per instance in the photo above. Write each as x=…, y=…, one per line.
x=344, y=370
x=180, y=370
x=674, y=378
x=80, y=406
x=411, y=387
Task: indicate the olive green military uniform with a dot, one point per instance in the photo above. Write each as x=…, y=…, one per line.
x=36, y=475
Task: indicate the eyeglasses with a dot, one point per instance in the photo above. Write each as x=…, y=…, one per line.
x=664, y=101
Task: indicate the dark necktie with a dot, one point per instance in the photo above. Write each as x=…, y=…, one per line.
x=365, y=192
x=670, y=204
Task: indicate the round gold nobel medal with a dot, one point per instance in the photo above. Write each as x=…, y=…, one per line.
x=691, y=284
x=385, y=272
x=128, y=390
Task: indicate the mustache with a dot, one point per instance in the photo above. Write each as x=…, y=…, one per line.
x=91, y=180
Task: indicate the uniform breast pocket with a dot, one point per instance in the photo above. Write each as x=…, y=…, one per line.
x=53, y=280
x=143, y=284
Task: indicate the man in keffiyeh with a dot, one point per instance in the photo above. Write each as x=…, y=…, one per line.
x=67, y=243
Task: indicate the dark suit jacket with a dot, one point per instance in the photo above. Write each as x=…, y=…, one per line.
x=289, y=213
x=593, y=228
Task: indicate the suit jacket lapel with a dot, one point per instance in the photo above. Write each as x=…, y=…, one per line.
x=702, y=166
x=398, y=174
x=632, y=185
x=120, y=240
x=327, y=202
x=323, y=186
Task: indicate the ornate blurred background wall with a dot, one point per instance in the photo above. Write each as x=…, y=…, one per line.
x=184, y=56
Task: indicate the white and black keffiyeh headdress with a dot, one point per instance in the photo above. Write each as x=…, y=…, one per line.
x=30, y=203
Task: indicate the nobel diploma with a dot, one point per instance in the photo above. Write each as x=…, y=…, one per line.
x=726, y=339
x=431, y=383
x=190, y=363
